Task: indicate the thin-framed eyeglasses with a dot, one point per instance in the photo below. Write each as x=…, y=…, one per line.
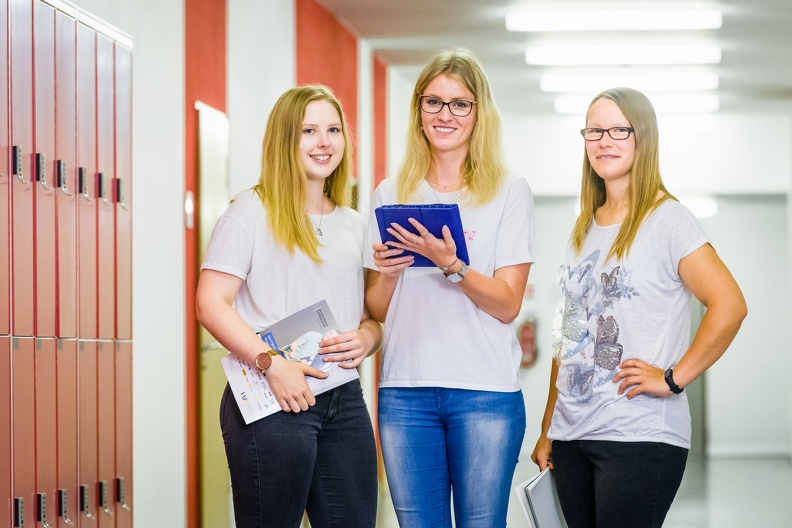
x=595, y=134
x=458, y=107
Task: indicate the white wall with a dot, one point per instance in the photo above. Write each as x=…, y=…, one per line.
x=157, y=28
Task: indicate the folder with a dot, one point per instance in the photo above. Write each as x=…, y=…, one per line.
x=539, y=501
x=431, y=216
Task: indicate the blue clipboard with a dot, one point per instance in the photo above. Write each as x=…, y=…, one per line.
x=431, y=216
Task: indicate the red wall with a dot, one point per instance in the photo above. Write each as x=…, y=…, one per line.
x=326, y=53
x=204, y=80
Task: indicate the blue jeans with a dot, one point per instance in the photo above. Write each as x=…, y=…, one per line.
x=322, y=461
x=436, y=441
x=616, y=484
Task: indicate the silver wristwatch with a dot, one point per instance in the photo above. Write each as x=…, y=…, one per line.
x=459, y=275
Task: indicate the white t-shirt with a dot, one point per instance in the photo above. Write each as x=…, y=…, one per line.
x=634, y=308
x=435, y=336
x=278, y=283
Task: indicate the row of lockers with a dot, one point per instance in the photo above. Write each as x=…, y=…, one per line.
x=67, y=456
x=65, y=237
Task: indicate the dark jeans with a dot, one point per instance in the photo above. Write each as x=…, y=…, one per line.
x=323, y=461
x=616, y=484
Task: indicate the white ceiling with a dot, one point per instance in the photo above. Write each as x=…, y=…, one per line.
x=756, y=41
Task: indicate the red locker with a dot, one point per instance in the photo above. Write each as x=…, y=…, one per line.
x=105, y=163
x=65, y=168
x=86, y=182
x=44, y=165
x=65, y=504
x=123, y=149
x=23, y=429
x=123, y=485
x=88, y=431
x=106, y=408
x=6, y=498
x=22, y=163
x=46, y=431
x=5, y=279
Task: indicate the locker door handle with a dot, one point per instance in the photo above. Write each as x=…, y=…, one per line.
x=60, y=177
x=103, y=503
x=41, y=510
x=102, y=189
x=85, y=502
x=120, y=194
x=82, y=183
x=41, y=171
x=63, y=505
x=16, y=164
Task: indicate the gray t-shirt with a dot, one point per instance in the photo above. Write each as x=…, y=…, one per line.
x=637, y=307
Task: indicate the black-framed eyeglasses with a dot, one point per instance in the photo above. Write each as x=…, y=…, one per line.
x=595, y=134
x=458, y=107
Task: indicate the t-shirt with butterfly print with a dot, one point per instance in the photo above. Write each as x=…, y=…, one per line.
x=612, y=310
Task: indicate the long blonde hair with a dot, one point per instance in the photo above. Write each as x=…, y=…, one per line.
x=484, y=167
x=645, y=179
x=282, y=185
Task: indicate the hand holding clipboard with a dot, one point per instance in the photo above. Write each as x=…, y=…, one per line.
x=430, y=216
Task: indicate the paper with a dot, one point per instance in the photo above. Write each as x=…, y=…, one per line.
x=298, y=337
x=433, y=217
x=539, y=501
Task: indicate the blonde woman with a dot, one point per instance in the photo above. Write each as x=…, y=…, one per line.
x=451, y=413
x=289, y=242
x=616, y=428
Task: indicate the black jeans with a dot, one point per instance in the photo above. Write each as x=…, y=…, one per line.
x=323, y=461
x=616, y=484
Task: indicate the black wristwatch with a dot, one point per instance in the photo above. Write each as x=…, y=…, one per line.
x=669, y=377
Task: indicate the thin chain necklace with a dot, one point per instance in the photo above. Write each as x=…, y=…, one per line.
x=438, y=184
x=453, y=198
x=321, y=217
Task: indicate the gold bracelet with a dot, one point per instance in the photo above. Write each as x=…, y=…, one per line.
x=446, y=268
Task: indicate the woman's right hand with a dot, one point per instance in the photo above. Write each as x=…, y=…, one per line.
x=387, y=260
x=542, y=453
x=287, y=381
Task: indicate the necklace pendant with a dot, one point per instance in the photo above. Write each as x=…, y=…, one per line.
x=319, y=232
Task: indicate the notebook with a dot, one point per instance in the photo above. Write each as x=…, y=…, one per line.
x=431, y=216
x=539, y=501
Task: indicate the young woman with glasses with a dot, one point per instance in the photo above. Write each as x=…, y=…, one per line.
x=451, y=413
x=285, y=244
x=616, y=428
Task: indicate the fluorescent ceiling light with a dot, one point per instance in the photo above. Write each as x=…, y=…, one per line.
x=613, y=18
x=623, y=53
x=663, y=104
x=651, y=81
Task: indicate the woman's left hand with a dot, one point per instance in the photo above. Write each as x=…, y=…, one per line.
x=643, y=378
x=348, y=349
x=441, y=251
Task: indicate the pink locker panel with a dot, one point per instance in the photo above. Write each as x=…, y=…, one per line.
x=44, y=168
x=88, y=431
x=6, y=498
x=46, y=427
x=105, y=144
x=105, y=455
x=123, y=489
x=123, y=83
x=5, y=278
x=66, y=173
x=68, y=431
x=22, y=157
x=86, y=182
x=23, y=428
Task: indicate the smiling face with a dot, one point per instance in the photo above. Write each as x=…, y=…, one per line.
x=321, y=141
x=612, y=159
x=445, y=131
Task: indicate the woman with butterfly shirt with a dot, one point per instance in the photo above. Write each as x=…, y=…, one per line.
x=616, y=428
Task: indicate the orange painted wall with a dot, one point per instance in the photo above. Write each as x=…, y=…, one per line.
x=326, y=53
x=204, y=80
x=380, y=110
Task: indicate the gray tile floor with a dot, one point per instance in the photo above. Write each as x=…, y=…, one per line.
x=719, y=493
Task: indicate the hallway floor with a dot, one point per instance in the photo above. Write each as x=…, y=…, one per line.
x=720, y=493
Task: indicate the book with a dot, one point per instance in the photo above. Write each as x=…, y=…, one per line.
x=431, y=216
x=539, y=501
x=297, y=338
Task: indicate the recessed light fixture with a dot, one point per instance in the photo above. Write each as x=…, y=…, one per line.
x=663, y=103
x=655, y=81
x=626, y=53
x=613, y=18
